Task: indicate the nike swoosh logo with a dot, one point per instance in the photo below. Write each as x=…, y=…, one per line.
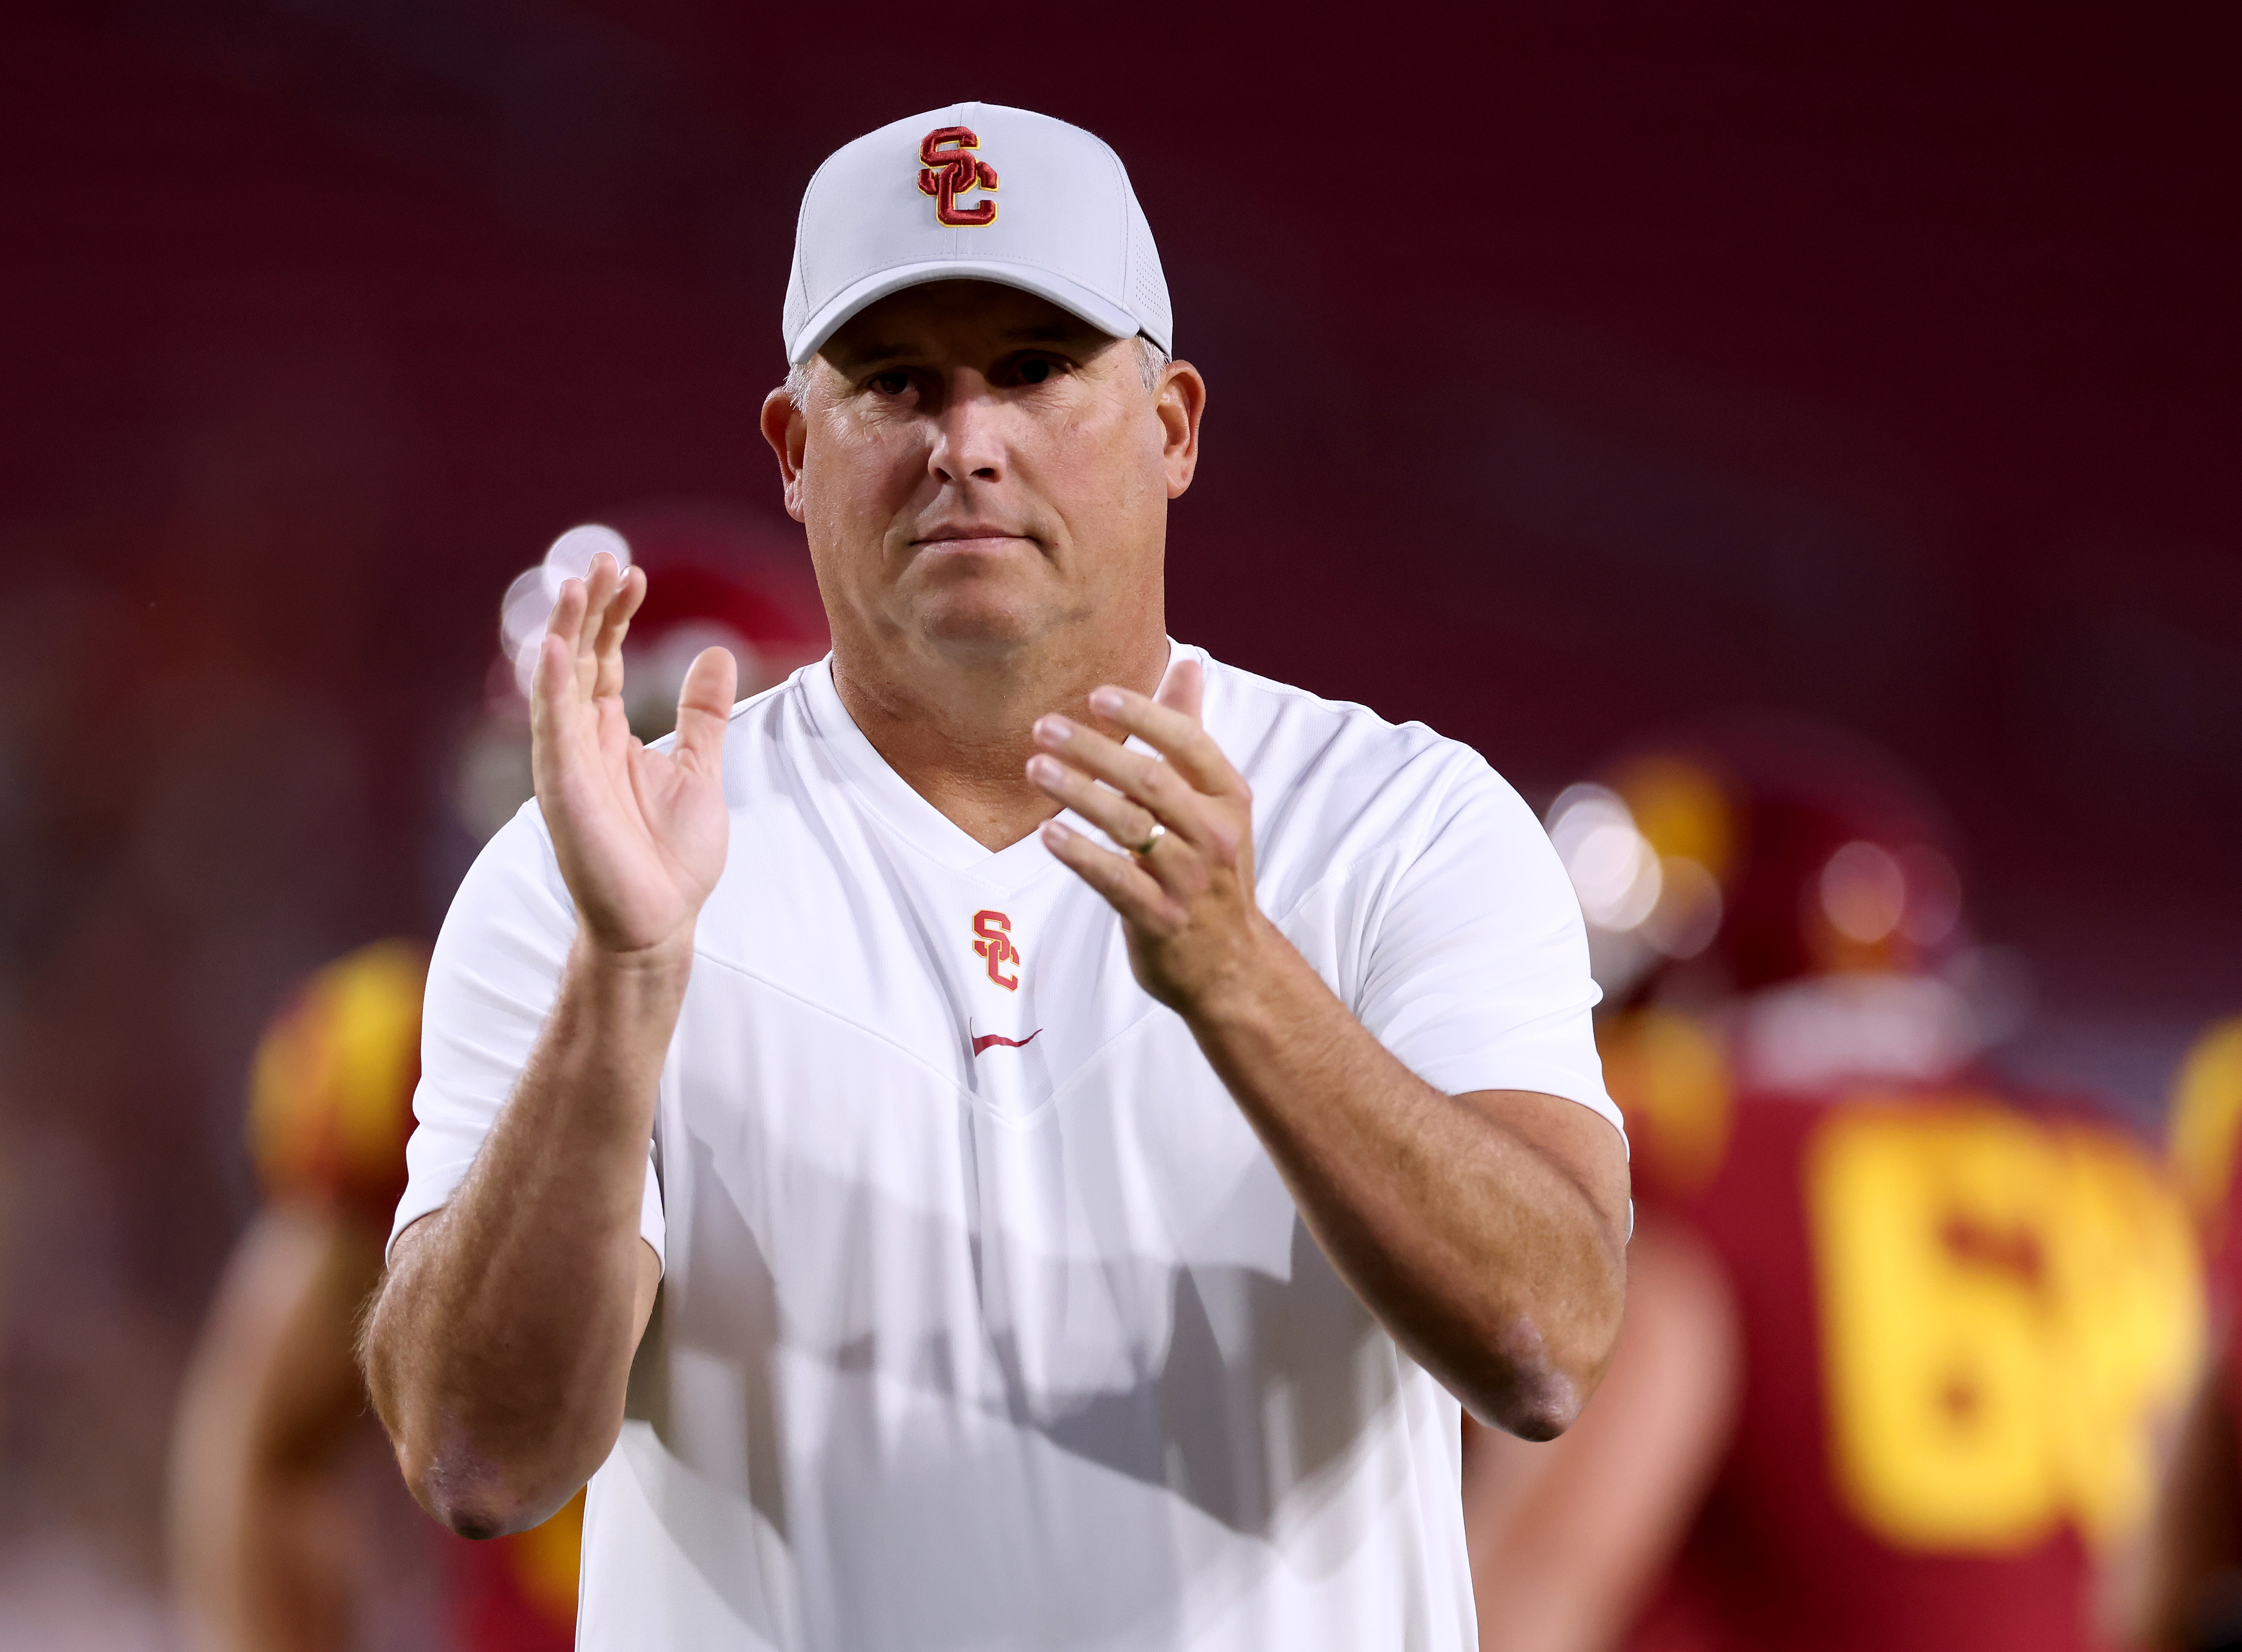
x=987, y=1038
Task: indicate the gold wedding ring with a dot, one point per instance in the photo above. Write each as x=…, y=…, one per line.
x=1159, y=831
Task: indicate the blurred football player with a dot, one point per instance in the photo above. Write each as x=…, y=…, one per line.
x=280, y=1477
x=1898, y=1339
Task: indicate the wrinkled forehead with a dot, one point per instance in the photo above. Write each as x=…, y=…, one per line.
x=964, y=319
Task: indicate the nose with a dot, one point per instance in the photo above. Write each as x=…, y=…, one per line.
x=968, y=440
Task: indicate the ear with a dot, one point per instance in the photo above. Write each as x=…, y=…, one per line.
x=788, y=432
x=1177, y=402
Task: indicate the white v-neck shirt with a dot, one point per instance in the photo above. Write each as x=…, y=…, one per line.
x=1021, y=1347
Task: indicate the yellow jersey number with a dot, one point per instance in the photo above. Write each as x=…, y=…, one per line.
x=2008, y=1309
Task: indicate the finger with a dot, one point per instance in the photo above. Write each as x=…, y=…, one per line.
x=1130, y=889
x=704, y=709
x=566, y=620
x=552, y=701
x=1183, y=685
x=614, y=624
x=1127, y=822
x=552, y=687
x=1157, y=785
x=1175, y=733
x=601, y=583
x=555, y=706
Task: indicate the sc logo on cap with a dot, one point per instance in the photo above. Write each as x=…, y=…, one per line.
x=948, y=173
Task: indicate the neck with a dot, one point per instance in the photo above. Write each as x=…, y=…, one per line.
x=957, y=729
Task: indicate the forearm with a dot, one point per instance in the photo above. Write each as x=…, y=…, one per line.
x=259, y=1521
x=500, y=1346
x=1497, y=1267
x=274, y=1574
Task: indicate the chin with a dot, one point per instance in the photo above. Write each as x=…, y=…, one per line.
x=981, y=616
x=979, y=627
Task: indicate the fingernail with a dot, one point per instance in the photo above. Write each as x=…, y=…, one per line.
x=1055, y=729
x=1055, y=834
x=1106, y=701
x=1046, y=771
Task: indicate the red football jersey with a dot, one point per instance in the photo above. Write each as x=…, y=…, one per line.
x=1961, y=1316
x=330, y=1108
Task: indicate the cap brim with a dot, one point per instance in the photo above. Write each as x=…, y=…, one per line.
x=1101, y=312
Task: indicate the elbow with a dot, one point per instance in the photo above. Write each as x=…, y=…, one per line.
x=477, y=1519
x=477, y=1500
x=480, y=1471
x=498, y=1479
x=1535, y=1400
x=1535, y=1383
x=1539, y=1410
x=480, y=1483
x=477, y=1516
x=470, y=1513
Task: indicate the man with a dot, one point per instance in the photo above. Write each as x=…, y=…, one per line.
x=278, y=1536
x=1057, y=1246
x=1900, y=1340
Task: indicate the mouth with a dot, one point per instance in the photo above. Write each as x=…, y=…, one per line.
x=967, y=537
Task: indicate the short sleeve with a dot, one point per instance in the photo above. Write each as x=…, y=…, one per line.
x=1476, y=973
x=492, y=981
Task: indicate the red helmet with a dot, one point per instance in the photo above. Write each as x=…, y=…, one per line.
x=714, y=577
x=1759, y=850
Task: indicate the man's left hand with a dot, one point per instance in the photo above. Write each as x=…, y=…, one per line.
x=1486, y=1231
x=1183, y=885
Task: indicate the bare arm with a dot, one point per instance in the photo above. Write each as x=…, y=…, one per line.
x=1487, y=1231
x=259, y=1533
x=499, y=1348
x=498, y=1351
x=1566, y=1539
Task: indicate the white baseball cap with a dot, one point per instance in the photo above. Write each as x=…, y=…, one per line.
x=975, y=191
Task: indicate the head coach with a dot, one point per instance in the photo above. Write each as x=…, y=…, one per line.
x=1021, y=1136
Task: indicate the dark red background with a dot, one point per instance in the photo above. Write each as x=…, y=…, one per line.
x=1573, y=370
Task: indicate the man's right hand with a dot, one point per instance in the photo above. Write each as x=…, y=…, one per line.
x=640, y=835
x=498, y=1351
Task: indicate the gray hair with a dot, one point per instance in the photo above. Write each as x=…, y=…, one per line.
x=1150, y=359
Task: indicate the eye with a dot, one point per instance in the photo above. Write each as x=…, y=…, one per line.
x=1037, y=368
x=894, y=382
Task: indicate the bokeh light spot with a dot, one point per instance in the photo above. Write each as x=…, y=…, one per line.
x=1863, y=892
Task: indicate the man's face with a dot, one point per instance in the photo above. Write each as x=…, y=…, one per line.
x=979, y=470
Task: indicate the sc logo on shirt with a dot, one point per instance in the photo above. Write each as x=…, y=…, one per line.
x=995, y=944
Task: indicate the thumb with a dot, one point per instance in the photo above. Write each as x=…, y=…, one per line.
x=704, y=708
x=1183, y=686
